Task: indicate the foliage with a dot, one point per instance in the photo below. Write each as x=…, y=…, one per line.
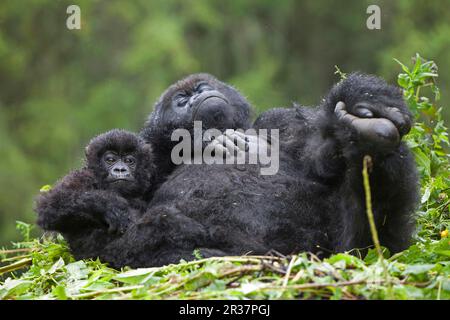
x=44, y=269
x=421, y=272
x=428, y=140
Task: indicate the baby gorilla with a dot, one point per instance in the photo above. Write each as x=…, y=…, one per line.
x=92, y=206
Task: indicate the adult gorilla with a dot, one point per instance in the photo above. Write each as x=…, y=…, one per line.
x=316, y=200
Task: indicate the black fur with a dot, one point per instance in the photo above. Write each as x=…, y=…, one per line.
x=314, y=203
x=89, y=212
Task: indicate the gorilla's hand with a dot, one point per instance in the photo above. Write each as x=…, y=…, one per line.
x=236, y=143
x=376, y=124
x=117, y=220
x=117, y=216
x=229, y=143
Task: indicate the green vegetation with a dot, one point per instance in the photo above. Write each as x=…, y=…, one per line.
x=44, y=269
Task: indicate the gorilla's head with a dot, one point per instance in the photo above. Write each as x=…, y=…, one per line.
x=122, y=162
x=198, y=97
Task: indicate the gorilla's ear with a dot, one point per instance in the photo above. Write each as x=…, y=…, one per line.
x=86, y=150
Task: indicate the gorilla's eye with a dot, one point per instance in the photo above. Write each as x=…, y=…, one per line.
x=203, y=86
x=129, y=160
x=110, y=159
x=181, y=99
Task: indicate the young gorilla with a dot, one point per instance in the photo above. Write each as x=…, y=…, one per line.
x=316, y=200
x=198, y=97
x=94, y=205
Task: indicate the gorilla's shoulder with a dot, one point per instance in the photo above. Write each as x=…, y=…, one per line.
x=290, y=122
x=278, y=118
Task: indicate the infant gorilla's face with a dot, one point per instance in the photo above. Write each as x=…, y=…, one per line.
x=121, y=162
x=120, y=171
x=120, y=168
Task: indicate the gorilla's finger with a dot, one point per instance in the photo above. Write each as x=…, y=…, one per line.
x=228, y=143
x=341, y=113
x=219, y=149
x=239, y=139
x=236, y=133
x=401, y=121
x=379, y=110
x=240, y=135
x=378, y=130
x=362, y=112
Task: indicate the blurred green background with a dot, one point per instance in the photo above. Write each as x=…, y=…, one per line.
x=59, y=87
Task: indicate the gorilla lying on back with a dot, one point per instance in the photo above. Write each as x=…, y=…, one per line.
x=198, y=97
x=314, y=203
x=95, y=204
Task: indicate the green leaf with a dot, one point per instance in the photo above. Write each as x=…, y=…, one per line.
x=443, y=252
x=426, y=194
x=404, y=67
x=418, y=268
x=45, y=188
x=77, y=270
x=56, y=266
x=422, y=160
x=135, y=276
x=14, y=287
x=349, y=260
x=59, y=292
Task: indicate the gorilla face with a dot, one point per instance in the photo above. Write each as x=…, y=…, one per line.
x=201, y=97
x=120, y=170
x=203, y=103
x=121, y=161
x=119, y=167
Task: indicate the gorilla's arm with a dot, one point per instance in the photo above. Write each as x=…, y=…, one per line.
x=164, y=235
x=74, y=204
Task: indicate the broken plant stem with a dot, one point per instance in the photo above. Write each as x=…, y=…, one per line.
x=16, y=266
x=367, y=161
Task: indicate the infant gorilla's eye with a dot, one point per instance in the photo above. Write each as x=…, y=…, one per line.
x=203, y=86
x=129, y=160
x=109, y=158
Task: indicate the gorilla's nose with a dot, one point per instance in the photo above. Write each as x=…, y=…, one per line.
x=120, y=170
